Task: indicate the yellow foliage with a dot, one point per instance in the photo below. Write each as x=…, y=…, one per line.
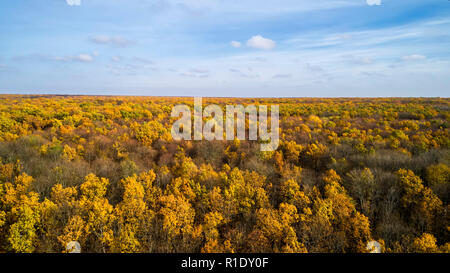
x=425, y=244
x=69, y=153
x=223, y=196
x=94, y=187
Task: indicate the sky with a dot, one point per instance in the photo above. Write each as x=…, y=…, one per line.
x=226, y=48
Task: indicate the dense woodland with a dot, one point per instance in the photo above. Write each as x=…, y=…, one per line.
x=104, y=171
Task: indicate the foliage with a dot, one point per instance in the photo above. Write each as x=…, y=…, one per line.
x=104, y=171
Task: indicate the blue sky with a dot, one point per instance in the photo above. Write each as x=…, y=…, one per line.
x=244, y=48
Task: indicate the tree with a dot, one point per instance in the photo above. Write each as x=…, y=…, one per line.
x=274, y=228
x=291, y=193
x=350, y=226
x=425, y=244
x=20, y=213
x=97, y=213
x=438, y=178
x=292, y=151
x=362, y=187
x=315, y=152
x=69, y=153
x=438, y=174
x=421, y=203
x=134, y=219
x=176, y=216
x=149, y=132
x=244, y=192
x=212, y=221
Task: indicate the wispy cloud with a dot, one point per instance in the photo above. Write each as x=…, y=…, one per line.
x=414, y=57
x=73, y=2
x=359, y=60
x=257, y=7
x=236, y=44
x=117, y=41
x=244, y=74
x=142, y=60
x=196, y=73
x=258, y=59
x=373, y=74
x=282, y=76
x=249, y=76
x=125, y=69
x=84, y=58
x=313, y=68
x=373, y=2
x=199, y=71
x=116, y=59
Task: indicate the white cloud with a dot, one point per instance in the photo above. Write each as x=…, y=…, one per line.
x=282, y=76
x=84, y=58
x=243, y=74
x=126, y=69
x=260, y=42
x=414, y=57
x=73, y=2
x=236, y=44
x=258, y=59
x=142, y=60
x=257, y=7
x=314, y=68
x=196, y=73
x=373, y=2
x=200, y=71
x=363, y=60
x=249, y=76
x=111, y=40
x=188, y=74
x=359, y=59
x=115, y=59
x=373, y=74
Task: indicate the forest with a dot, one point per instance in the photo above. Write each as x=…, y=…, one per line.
x=104, y=171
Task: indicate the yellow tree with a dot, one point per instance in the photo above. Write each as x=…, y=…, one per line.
x=425, y=244
x=274, y=228
x=20, y=214
x=151, y=193
x=420, y=201
x=149, y=132
x=292, y=150
x=315, y=151
x=133, y=218
x=438, y=178
x=291, y=193
x=351, y=228
x=245, y=193
x=55, y=214
x=212, y=221
x=74, y=230
x=176, y=218
x=96, y=212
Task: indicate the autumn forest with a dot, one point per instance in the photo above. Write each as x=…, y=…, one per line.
x=105, y=172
